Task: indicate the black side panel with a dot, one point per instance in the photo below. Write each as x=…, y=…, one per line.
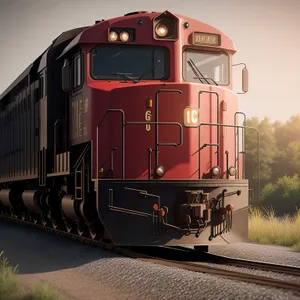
x=20, y=115
x=18, y=147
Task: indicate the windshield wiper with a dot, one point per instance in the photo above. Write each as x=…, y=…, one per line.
x=133, y=79
x=125, y=76
x=149, y=71
x=195, y=70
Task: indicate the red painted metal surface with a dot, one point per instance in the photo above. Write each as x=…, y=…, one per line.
x=180, y=162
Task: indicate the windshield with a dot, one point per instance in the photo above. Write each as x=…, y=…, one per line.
x=131, y=61
x=205, y=67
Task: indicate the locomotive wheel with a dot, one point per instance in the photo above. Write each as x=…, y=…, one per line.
x=23, y=216
x=80, y=229
x=44, y=220
x=93, y=233
x=14, y=214
x=54, y=223
x=68, y=226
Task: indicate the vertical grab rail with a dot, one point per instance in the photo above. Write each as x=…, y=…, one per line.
x=150, y=150
x=123, y=130
x=123, y=139
x=156, y=119
x=218, y=130
x=258, y=147
x=55, y=144
x=237, y=145
x=124, y=124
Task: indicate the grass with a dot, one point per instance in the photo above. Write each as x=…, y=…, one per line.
x=10, y=288
x=266, y=228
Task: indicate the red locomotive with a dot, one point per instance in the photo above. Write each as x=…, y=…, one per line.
x=127, y=131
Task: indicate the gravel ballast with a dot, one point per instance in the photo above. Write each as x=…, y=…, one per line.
x=80, y=271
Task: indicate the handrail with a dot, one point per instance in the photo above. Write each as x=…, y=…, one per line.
x=156, y=119
x=237, y=147
x=55, y=142
x=218, y=130
x=124, y=124
x=123, y=139
x=258, y=146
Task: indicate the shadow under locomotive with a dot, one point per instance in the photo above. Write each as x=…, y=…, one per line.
x=174, y=212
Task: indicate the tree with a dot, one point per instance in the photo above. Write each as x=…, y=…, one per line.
x=268, y=152
x=284, y=195
x=287, y=132
x=288, y=144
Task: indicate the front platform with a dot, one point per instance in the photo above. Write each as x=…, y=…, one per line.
x=158, y=212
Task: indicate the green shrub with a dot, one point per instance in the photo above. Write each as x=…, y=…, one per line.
x=284, y=195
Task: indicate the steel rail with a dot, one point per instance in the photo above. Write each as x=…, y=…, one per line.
x=250, y=264
x=190, y=266
x=233, y=275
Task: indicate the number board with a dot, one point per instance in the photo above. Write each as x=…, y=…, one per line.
x=191, y=116
x=209, y=39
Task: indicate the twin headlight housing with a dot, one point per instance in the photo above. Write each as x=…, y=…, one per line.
x=121, y=35
x=114, y=36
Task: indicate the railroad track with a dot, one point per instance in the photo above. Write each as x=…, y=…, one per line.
x=191, y=255
x=184, y=254
x=289, y=270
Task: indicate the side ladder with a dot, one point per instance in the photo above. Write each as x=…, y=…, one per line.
x=80, y=175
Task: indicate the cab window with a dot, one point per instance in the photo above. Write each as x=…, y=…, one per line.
x=206, y=67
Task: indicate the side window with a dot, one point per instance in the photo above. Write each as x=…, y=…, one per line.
x=43, y=84
x=77, y=70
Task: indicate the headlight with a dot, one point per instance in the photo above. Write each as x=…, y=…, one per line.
x=216, y=171
x=113, y=36
x=160, y=171
x=165, y=26
x=232, y=171
x=161, y=30
x=124, y=36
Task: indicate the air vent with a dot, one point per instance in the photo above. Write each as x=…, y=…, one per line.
x=137, y=12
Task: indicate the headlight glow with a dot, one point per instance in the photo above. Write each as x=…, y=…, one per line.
x=161, y=30
x=113, y=36
x=124, y=36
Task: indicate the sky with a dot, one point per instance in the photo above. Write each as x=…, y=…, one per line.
x=265, y=33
